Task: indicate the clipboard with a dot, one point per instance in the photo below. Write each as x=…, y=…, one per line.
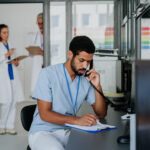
x=33, y=50
x=99, y=127
x=17, y=58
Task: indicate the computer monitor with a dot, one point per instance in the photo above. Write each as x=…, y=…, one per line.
x=142, y=104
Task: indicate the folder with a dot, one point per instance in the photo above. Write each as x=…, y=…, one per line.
x=17, y=58
x=33, y=50
x=99, y=127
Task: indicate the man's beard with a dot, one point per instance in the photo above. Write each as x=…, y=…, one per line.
x=74, y=68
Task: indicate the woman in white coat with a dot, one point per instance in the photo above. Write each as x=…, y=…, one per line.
x=10, y=85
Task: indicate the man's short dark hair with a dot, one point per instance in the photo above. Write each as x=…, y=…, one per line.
x=81, y=43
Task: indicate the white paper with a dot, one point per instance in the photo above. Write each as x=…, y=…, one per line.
x=99, y=126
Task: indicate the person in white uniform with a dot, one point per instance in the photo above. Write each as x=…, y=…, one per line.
x=10, y=85
x=60, y=91
x=37, y=59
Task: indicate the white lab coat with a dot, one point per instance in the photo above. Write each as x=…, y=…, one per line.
x=37, y=60
x=5, y=85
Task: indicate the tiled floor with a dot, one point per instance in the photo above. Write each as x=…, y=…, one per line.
x=19, y=141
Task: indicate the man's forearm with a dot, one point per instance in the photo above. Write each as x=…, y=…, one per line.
x=100, y=104
x=56, y=118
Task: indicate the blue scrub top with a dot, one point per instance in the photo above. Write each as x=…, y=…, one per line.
x=52, y=87
x=10, y=68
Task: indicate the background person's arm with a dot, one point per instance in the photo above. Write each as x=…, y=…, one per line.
x=15, y=62
x=9, y=53
x=40, y=52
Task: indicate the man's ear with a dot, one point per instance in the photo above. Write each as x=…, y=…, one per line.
x=70, y=54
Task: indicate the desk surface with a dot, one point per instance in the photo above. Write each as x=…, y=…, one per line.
x=100, y=141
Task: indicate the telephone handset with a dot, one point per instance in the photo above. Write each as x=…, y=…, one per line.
x=91, y=66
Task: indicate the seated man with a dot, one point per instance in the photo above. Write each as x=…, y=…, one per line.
x=60, y=91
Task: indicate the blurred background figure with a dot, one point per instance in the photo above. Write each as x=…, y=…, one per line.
x=37, y=59
x=10, y=85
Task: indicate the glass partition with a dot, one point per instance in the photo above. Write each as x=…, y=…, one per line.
x=57, y=32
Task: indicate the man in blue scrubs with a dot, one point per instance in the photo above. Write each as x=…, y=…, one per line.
x=60, y=91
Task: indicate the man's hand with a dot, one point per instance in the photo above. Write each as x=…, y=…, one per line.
x=86, y=120
x=94, y=77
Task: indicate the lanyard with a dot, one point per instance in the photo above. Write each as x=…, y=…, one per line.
x=74, y=105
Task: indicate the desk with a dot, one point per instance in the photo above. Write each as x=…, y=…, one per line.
x=80, y=140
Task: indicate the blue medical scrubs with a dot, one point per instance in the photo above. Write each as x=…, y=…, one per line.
x=52, y=87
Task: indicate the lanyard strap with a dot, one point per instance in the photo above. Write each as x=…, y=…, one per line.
x=74, y=105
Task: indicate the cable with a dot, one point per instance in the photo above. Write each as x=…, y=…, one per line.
x=106, y=99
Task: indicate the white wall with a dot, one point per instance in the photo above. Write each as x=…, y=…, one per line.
x=21, y=19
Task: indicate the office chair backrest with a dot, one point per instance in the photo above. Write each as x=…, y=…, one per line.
x=27, y=116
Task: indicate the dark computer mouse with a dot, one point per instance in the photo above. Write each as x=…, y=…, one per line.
x=123, y=139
